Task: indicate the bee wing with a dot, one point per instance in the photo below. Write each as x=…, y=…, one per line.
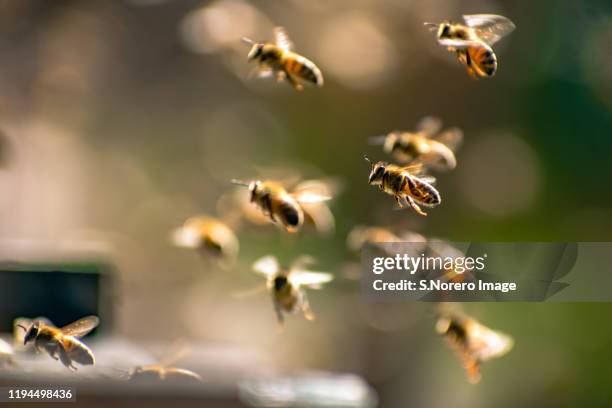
x=377, y=140
x=177, y=350
x=81, y=327
x=266, y=266
x=458, y=44
x=489, y=27
x=486, y=344
x=428, y=179
x=310, y=279
x=429, y=125
x=309, y=197
x=415, y=168
x=282, y=39
x=321, y=217
x=186, y=237
x=451, y=137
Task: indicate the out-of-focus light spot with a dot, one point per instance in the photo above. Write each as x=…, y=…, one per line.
x=500, y=175
x=597, y=61
x=219, y=25
x=353, y=49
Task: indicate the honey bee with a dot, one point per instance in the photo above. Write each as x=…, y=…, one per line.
x=208, y=235
x=280, y=206
x=426, y=145
x=163, y=372
x=62, y=343
x=278, y=59
x=286, y=285
x=361, y=236
x=473, y=342
x=472, y=41
x=405, y=184
x=7, y=355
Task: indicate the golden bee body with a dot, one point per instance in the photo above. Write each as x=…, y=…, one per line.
x=279, y=60
x=63, y=343
x=286, y=286
x=472, y=41
x=209, y=235
x=404, y=186
x=160, y=373
x=473, y=342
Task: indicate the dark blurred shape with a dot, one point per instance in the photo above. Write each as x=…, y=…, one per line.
x=308, y=390
x=62, y=292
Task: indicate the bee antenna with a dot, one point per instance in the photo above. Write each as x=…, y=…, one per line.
x=431, y=26
x=367, y=159
x=239, y=182
x=377, y=140
x=23, y=327
x=247, y=41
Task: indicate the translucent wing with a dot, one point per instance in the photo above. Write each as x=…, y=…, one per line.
x=267, y=266
x=414, y=168
x=429, y=125
x=428, y=179
x=186, y=237
x=310, y=279
x=81, y=327
x=451, y=137
x=309, y=197
x=320, y=216
x=178, y=350
x=490, y=27
x=282, y=39
x=486, y=344
x=458, y=44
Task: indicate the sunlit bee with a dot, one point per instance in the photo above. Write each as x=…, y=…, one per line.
x=361, y=236
x=279, y=60
x=62, y=343
x=163, y=371
x=472, y=41
x=426, y=145
x=280, y=206
x=405, y=184
x=473, y=342
x=7, y=354
x=208, y=235
x=286, y=286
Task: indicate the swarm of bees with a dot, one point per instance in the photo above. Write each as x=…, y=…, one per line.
x=290, y=208
x=472, y=41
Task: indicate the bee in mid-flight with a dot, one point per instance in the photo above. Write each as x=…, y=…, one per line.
x=472, y=42
x=405, y=184
x=361, y=235
x=279, y=205
x=279, y=60
x=208, y=235
x=426, y=145
x=7, y=355
x=473, y=342
x=163, y=372
x=62, y=343
x=286, y=285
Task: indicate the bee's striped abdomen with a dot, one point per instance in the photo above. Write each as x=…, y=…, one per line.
x=303, y=68
x=423, y=192
x=483, y=60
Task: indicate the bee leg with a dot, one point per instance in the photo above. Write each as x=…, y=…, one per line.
x=296, y=85
x=280, y=76
x=415, y=207
x=279, y=316
x=308, y=313
x=399, y=201
x=65, y=359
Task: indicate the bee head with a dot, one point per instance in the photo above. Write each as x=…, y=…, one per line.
x=31, y=333
x=444, y=31
x=255, y=189
x=378, y=170
x=280, y=282
x=256, y=51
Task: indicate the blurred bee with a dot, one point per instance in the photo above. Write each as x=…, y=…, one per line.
x=473, y=342
x=361, y=236
x=279, y=60
x=427, y=145
x=286, y=285
x=163, y=372
x=472, y=41
x=208, y=235
x=405, y=184
x=7, y=355
x=282, y=207
x=62, y=343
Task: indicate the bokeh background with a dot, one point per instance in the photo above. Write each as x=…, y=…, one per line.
x=120, y=119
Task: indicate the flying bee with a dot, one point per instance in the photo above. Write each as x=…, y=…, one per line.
x=286, y=286
x=62, y=343
x=426, y=145
x=163, y=372
x=280, y=206
x=208, y=235
x=472, y=41
x=473, y=342
x=405, y=184
x=7, y=355
x=278, y=59
x=361, y=236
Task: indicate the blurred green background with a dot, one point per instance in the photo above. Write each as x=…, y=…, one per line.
x=120, y=119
